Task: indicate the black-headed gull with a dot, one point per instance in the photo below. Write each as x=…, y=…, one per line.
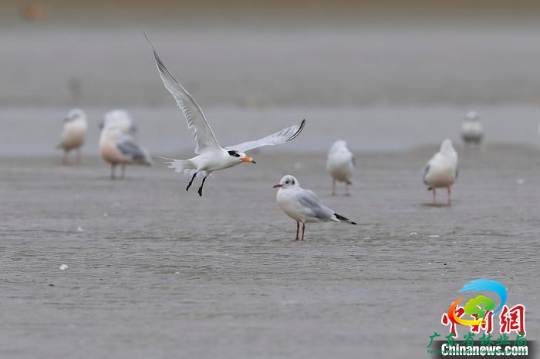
x=120, y=148
x=340, y=165
x=442, y=170
x=472, y=131
x=211, y=156
x=121, y=119
x=303, y=205
x=73, y=133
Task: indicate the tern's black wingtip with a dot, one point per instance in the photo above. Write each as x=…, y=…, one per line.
x=302, y=124
x=149, y=42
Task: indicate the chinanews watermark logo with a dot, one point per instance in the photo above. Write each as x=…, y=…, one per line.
x=486, y=331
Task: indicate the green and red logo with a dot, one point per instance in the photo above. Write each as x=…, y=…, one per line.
x=479, y=317
x=482, y=310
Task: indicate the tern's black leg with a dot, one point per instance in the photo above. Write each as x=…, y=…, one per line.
x=202, y=184
x=190, y=182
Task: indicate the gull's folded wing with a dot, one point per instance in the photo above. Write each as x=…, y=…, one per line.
x=129, y=148
x=278, y=138
x=313, y=205
x=204, y=137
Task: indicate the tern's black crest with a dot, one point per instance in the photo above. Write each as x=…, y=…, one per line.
x=233, y=153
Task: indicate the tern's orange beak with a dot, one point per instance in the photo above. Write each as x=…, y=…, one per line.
x=247, y=159
x=278, y=186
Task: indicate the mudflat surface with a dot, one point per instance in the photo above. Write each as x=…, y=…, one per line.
x=155, y=271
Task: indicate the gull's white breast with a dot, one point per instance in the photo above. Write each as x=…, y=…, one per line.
x=110, y=152
x=288, y=202
x=340, y=165
x=472, y=130
x=442, y=172
x=74, y=134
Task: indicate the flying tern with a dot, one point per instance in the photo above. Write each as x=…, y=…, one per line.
x=211, y=156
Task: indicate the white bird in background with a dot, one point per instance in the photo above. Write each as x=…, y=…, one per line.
x=472, y=130
x=121, y=119
x=340, y=165
x=441, y=171
x=120, y=148
x=303, y=205
x=73, y=134
x=211, y=156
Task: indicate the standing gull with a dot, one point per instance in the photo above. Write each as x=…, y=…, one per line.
x=441, y=171
x=211, y=156
x=120, y=148
x=73, y=134
x=472, y=130
x=303, y=205
x=340, y=165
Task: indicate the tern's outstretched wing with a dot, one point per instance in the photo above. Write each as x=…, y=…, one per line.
x=278, y=138
x=204, y=137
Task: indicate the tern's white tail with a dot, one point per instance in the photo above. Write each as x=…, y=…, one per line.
x=181, y=166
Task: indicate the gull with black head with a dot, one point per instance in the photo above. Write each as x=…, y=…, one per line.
x=303, y=205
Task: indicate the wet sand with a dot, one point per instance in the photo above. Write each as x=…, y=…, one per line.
x=158, y=272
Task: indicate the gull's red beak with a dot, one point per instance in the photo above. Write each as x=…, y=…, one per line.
x=278, y=186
